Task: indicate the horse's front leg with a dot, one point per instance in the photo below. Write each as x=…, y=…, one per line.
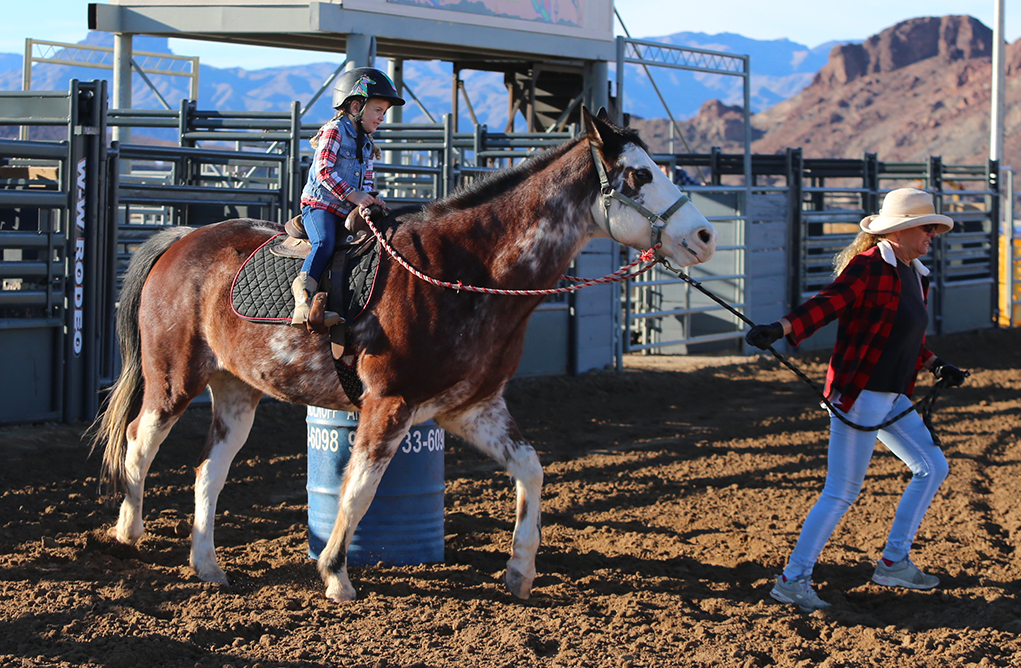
x=491, y=429
x=381, y=426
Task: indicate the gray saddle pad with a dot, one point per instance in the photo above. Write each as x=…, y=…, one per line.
x=262, y=287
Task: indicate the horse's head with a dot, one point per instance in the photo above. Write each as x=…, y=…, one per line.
x=639, y=206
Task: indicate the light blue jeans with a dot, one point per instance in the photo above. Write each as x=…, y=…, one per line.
x=321, y=228
x=850, y=451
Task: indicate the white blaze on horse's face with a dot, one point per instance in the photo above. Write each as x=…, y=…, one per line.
x=687, y=238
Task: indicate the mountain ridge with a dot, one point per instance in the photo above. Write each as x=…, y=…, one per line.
x=917, y=89
x=784, y=68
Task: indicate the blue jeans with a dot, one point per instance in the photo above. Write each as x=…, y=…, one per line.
x=321, y=227
x=850, y=451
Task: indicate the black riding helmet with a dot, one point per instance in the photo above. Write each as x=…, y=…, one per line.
x=365, y=82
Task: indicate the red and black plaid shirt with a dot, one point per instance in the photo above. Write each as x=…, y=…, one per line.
x=864, y=297
x=334, y=189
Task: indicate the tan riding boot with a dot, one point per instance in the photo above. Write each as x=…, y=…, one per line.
x=302, y=288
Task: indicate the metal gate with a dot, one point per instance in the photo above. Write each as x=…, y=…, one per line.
x=56, y=304
x=777, y=250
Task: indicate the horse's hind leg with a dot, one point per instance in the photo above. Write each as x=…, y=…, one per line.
x=491, y=429
x=381, y=426
x=145, y=434
x=234, y=404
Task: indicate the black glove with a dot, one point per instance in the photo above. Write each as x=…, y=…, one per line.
x=763, y=336
x=953, y=376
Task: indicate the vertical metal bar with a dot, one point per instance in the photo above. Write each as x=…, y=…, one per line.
x=194, y=92
x=113, y=221
x=291, y=204
x=122, y=61
x=448, y=155
x=994, y=231
x=1011, y=248
x=749, y=181
x=619, y=106
x=96, y=158
x=71, y=368
x=934, y=181
x=183, y=120
x=747, y=80
x=998, y=86
x=455, y=86
x=26, y=82
x=795, y=176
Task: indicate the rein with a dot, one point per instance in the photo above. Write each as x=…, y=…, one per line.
x=925, y=405
x=621, y=274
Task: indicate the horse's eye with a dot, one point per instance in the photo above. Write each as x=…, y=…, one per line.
x=643, y=175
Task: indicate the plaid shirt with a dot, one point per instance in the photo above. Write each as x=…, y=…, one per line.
x=335, y=170
x=864, y=297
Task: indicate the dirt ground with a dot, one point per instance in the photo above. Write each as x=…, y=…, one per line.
x=674, y=492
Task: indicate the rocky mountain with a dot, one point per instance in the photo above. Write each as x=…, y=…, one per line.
x=919, y=88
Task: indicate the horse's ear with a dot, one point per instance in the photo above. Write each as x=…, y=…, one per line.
x=603, y=114
x=594, y=125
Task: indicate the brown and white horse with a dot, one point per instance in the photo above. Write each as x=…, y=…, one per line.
x=424, y=351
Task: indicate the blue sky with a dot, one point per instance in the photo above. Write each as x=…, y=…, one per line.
x=809, y=22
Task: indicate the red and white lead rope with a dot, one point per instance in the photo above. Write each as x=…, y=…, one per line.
x=621, y=274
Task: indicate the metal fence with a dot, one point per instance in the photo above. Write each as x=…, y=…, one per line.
x=56, y=308
x=822, y=202
x=73, y=210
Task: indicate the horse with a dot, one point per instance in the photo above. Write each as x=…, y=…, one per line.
x=517, y=228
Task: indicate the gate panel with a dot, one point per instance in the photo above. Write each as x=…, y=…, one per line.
x=56, y=312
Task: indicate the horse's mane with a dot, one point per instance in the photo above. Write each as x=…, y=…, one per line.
x=495, y=184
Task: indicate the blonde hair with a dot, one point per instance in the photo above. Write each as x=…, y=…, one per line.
x=341, y=113
x=315, y=139
x=861, y=243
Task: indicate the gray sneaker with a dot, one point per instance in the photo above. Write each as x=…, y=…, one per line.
x=903, y=573
x=799, y=592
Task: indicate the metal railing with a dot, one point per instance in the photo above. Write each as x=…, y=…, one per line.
x=664, y=313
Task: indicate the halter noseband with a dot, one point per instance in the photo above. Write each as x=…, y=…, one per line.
x=656, y=220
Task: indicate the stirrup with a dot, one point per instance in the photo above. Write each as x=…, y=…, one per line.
x=300, y=315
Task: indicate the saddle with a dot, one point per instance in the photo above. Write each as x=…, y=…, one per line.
x=261, y=290
x=297, y=245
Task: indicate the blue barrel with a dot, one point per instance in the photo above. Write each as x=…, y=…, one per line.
x=404, y=524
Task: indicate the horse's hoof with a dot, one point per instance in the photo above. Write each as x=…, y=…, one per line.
x=518, y=584
x=116, y=535
x=340, y=594
x=213, y=575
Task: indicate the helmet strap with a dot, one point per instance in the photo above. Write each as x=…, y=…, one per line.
x=356, y=117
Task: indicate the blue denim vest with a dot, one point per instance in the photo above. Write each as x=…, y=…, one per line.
x=347, y=166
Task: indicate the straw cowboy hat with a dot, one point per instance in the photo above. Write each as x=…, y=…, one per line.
x=903, y=208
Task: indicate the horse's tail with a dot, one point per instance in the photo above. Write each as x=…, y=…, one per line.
x=125, y=399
